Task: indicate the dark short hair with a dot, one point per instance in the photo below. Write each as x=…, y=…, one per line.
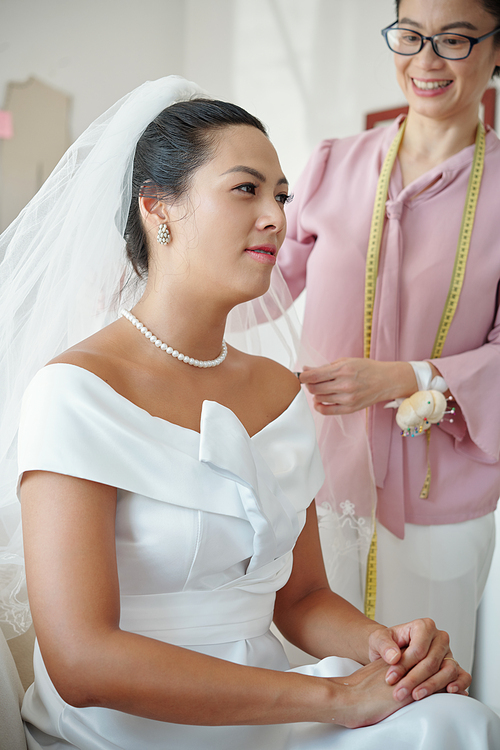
x=174, y=145
x=493, y=8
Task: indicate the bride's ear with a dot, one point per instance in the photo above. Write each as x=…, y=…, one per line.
x=153, y=212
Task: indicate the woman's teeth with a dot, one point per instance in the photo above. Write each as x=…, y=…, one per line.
x=429, y=85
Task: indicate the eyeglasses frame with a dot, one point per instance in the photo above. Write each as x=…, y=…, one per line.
x=473, y=40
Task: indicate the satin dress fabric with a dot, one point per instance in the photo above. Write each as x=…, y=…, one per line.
x=11, y=696
x=205, y=527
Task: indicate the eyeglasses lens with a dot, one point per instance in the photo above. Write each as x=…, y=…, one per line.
x=407, y=42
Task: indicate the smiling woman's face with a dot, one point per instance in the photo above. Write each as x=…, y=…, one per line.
x=446, y=89
x=233, y=223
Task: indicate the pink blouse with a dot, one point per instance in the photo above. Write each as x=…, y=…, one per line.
x=328, y=229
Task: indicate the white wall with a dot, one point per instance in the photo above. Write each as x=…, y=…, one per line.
x=312, y=69
x=96, y=50
x=309, y=68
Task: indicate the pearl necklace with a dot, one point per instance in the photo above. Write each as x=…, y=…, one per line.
x=170, y=350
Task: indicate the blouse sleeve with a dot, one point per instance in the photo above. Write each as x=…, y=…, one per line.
x=300, y=240
x=473, y=378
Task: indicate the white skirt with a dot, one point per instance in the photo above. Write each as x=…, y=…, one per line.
x=438, y=722
x=435, y=723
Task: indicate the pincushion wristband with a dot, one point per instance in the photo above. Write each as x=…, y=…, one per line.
x=425, y=381
x=418, y=412
x=424, y=407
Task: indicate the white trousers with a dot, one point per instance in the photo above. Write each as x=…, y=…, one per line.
x=438, y=572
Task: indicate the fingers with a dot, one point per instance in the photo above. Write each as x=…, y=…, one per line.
x=313, y=375
x=427, y=665
x=333, y=392
x=346, y=385
x=449, y=676
x=382, y=645
x=462, y=681
x=421, y=639
x=326, y=388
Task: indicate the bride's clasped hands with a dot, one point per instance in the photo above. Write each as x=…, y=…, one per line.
x=420, y=666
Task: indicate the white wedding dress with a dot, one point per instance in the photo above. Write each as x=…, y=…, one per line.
x=205, y=527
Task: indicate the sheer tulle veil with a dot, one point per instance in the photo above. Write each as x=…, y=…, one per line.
x=62, y=274
x=62, y=266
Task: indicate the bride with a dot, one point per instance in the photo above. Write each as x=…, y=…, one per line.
x=165, y=477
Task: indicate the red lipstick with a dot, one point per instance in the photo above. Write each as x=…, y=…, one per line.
x=263, y=253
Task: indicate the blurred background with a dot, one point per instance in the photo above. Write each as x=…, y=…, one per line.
x=310, y=69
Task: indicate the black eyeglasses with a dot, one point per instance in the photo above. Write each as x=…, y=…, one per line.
x=449, y=46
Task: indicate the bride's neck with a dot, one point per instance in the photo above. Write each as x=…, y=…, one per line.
x=191, y=326
x=428, y=143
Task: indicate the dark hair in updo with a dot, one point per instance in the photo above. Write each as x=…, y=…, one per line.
x=174, y=145
x=493, y=8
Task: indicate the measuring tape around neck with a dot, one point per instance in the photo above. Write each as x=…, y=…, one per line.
x=450, y=307
x=375, y=241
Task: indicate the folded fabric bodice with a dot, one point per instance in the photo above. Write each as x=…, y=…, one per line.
x=205, y=522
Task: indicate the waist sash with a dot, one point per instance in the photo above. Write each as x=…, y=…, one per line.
x=194, y=618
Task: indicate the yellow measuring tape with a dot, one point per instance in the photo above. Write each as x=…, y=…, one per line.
x=457, y=278
x=376, y=229
x=450, y=307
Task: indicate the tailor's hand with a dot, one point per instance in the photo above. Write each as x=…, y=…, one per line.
x=364, y=697
x=420, y=658
x=351, y=384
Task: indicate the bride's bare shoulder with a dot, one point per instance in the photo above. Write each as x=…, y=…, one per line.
x=99, y=353
x=272, y=381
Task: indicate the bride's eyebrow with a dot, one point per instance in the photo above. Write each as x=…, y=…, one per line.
x=255, y=173
x=249, y=170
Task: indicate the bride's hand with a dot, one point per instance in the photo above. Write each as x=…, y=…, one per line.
x=420, y=658
x=365, y=697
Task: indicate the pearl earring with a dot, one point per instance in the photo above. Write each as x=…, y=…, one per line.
x=163, y=236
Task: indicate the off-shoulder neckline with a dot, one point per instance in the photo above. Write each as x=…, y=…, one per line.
x=139, y=409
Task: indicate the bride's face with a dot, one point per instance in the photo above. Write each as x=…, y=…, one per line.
x=230, y=227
